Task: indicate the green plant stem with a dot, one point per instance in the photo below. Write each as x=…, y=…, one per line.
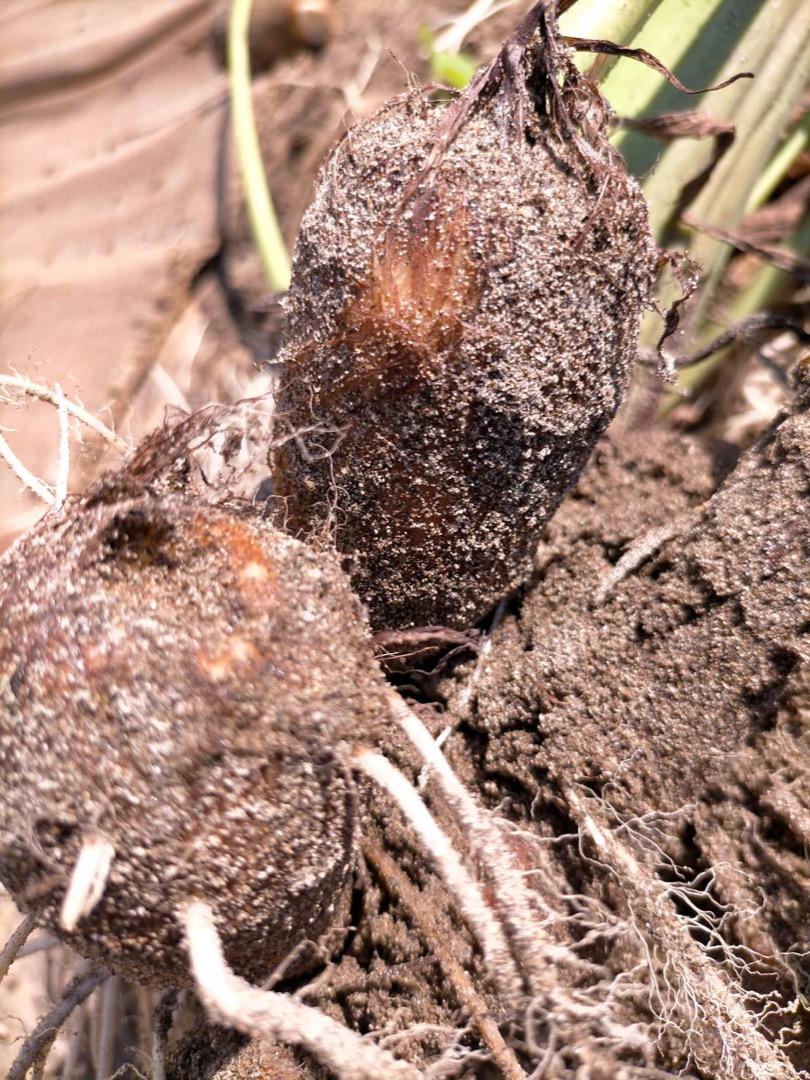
x=617, y=21
x=674, y=32
x=744, y=48
x=263, y=219
x=794, y=144
x=761, y=120
x=773, y=41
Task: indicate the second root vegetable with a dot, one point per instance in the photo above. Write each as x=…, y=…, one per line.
x=467, y=292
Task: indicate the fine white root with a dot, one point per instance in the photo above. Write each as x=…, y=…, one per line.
x=88, y=881
x=461, y=884
x=232, y=1001
x=465, y=695
x=63, y=461
x=36, y=1047
x=516, y=901
x=721, y=1035
x=66, y=408
x=44, y=393
x=33, y=483
x=9, y=952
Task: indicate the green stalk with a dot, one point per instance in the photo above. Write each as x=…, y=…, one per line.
x=795, y=144
x=772, y=41
x=708, y=42
x=761, y=121
x=692, y=39
x=262, y=215
x=619, y=21
x=758, y=107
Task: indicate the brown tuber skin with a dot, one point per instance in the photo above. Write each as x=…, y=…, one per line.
x=467, y=292
x=179, y=679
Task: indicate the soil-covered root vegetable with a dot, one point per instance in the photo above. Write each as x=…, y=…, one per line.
x=177, y=683
x=463, y=317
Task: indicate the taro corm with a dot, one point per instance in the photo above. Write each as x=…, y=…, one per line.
x=463, y=318
x=176, y=682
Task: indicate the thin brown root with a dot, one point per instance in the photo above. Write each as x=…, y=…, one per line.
x=9, y=951
x=461, y=884
x=687, y=274
x=108, y=1005
x=791, y=263
x=742, y=330
x=264, y=1014
x=467, y=996
x=36, y=1047
x=691, y=124
x=88, y=881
